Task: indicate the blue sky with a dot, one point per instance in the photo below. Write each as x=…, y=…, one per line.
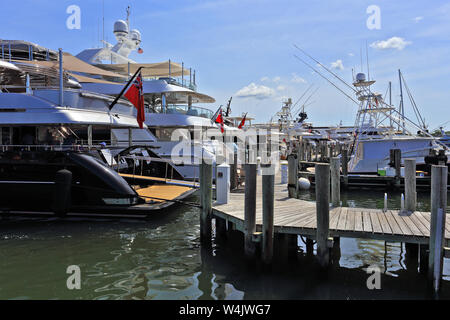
x=244, y=48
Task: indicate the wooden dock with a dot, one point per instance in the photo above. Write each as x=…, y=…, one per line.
x=298, y=217
x=269, y=211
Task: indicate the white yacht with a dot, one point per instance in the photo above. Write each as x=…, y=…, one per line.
x=51, y=127
x=171, y=98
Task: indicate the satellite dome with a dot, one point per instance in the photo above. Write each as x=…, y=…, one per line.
x=360, y=77
x=136, y=35
x=120, y=29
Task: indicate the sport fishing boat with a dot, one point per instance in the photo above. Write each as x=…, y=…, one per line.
x=171, y=97
x=54, y=139
x=379, y=128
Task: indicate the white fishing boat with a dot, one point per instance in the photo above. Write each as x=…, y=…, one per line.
x=379, y=128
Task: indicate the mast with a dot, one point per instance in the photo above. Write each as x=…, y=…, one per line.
x=402, y=108
x=390, y=102
x=128, y=15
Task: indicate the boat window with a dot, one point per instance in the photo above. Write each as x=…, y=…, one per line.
x=166, y=134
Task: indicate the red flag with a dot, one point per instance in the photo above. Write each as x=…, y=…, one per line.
x=135, y=94
x=242, y=124
x=219, y=120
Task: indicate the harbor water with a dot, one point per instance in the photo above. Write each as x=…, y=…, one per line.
x=161, y=258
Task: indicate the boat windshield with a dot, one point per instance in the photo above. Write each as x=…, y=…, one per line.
x=182, y=109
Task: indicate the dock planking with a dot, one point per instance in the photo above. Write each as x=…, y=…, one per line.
x=294, y=216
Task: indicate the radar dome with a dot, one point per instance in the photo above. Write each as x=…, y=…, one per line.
x=120, y=29
x=360, y=77
x=136, y=35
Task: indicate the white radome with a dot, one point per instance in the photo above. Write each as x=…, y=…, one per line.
x=121, y=29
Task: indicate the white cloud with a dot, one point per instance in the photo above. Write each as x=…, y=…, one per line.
x=276, y=79
x=281, y=88
x=418, y=19
x=337, y=65
x=255, y=91
x=264, y=79
x=392, y=43
x=351, y=54
x=297, y=79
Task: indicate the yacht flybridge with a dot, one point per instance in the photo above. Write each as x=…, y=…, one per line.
x=55, y=140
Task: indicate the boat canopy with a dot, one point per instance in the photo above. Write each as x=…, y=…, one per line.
x=160, y=69
x=71, y=63
x=174, y=93
x=84, y=79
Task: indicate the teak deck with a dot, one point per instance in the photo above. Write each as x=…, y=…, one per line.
x=294, y=216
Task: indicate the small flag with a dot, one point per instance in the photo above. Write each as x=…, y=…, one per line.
x=242, y=124
x=219, y=120
x=140, y=51
x=135, y=94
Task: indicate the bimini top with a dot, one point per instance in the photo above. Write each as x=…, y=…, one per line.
x=71, y=63
x=149, y=70
x=175, y=94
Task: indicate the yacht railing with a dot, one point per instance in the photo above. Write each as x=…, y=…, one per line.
x=180, y=82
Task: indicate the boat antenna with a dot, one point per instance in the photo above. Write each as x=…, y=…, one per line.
x=304, y=93
x=103, y=12
x=335, y=75
x=306, y=101
x=402, y=108
x=326, y=79
x=128, y=15
x=360, y=54
x=367, y=58
x=228, y=112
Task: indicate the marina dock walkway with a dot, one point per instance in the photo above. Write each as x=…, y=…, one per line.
x=298, y=217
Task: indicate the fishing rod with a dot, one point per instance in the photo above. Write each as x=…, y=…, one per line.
x=306, y=101
x=326, y=79
x=335, y=75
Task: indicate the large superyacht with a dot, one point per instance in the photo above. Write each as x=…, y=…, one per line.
x=55, y=141
x=172, y=116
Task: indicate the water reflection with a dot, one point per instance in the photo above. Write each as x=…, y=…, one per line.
x=162, y=259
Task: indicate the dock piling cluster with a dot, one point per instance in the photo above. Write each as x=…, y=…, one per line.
x=272, y=224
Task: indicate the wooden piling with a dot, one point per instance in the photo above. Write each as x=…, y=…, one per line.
x=344, y=164
x=423, y=258
x=397, y=153
x=221, y=229
x=309, y=247
x=335, y=182
x=437, y=229
x=268, y=191
x=206, y=173
x=250, y=209
x=322, y=177
x=292, y=175
x=410, y=185
x=233, y=172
